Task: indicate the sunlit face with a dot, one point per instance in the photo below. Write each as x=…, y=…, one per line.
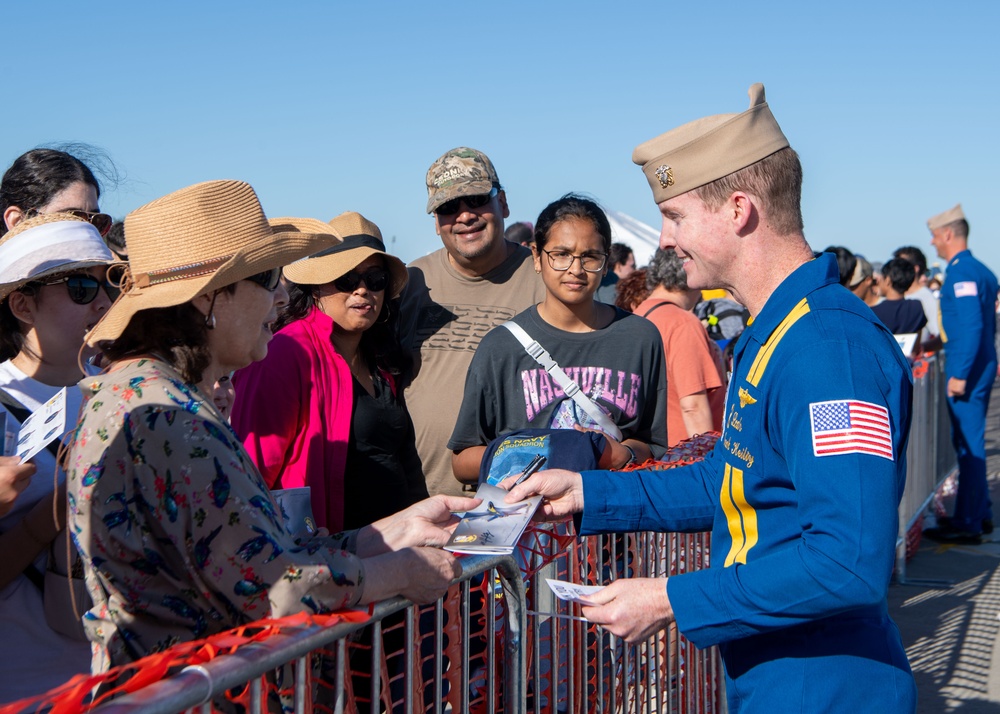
x=698, y=236
x=574, y=285
x=354, y=311
x=243, y=322
x=60, y=324
x=940, y=242
x=474, y=233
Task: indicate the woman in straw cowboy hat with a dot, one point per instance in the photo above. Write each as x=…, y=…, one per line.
x=321, y=410
x=52, y=271
x=178, y=530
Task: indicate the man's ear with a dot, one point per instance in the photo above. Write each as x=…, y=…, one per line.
x=502, y=198
x=741, y=211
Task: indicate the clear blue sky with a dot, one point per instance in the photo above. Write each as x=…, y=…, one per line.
x=327, y=106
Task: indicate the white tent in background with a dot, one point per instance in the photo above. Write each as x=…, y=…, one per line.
x=641, y=238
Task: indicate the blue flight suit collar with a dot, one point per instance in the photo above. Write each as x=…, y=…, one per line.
x=958, y=255
x=808, y=277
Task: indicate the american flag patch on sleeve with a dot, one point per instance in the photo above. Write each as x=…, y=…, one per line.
x=966, y=289
x=850, y=427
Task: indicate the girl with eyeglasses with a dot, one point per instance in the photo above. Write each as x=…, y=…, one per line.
x=615, y=357
x=52, y=291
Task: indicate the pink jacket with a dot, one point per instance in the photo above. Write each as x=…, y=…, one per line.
x=293, y=412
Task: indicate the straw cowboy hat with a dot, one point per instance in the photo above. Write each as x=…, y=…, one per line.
x=359, y=239
x=47, y=245
x=197, y=240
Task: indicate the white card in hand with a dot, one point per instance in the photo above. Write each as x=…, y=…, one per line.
x=46, y=423
x=573, y=592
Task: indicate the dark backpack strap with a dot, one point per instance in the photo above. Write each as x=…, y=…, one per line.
x=656, y=307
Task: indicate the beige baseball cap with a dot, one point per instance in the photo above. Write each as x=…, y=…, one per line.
x=949, y=216
x=459, y=172
x=707, y=149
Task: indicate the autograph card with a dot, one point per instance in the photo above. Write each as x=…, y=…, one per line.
x=494, y=527
x=46, y=424
x=573, y=592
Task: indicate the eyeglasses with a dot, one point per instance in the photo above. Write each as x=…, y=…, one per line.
x=376, y=280
x=562, y=260
x=82, y=289
x=450, y=208
x=268, y=280
x=101, y=221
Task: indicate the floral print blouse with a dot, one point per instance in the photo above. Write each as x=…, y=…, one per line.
x=179, y=534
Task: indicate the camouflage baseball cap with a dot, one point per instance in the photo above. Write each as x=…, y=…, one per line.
x=460, y=172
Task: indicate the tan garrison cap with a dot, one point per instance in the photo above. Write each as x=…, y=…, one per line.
x=460, y=172
x=707, y=149
x=943, y=219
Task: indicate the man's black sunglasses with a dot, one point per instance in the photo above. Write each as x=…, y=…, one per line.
x=450, y=208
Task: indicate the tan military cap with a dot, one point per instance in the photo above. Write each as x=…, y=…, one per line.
x=707, y=149
x=943, y=219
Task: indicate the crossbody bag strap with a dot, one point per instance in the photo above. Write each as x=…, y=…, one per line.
x=571, y=388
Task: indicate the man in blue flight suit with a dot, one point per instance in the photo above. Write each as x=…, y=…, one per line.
x=802, y=490
x=968, y=322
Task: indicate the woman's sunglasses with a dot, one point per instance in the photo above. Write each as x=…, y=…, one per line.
x=268, y=280
x=376, y=280
x=83, y=289
x=101, y=221
x=450, y=208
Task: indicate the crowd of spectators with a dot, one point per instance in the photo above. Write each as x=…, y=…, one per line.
x=221, y=356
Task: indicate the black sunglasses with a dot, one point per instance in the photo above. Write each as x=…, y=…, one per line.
x=83, y=289
x=450, y=208
x=376, y=280
x=268, y=280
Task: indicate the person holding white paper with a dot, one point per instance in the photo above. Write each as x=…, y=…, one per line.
x=52, y=291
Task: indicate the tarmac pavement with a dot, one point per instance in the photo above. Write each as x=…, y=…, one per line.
x=948, y=610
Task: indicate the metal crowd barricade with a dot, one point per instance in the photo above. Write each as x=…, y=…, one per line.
x=251, y=668
x=930, y=456
x=497, y=642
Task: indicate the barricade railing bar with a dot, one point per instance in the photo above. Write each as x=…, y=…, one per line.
x=930, y=455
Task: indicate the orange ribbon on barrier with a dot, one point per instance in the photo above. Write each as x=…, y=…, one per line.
x=74, y=697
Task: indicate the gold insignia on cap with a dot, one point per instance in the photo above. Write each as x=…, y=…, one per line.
x=666, y=176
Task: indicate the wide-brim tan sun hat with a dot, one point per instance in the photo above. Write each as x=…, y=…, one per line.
x=48, y=245
x=359, y=239
x=198, y=240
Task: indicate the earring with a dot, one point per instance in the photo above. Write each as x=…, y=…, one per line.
x=386, y=310
x=210, y=317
